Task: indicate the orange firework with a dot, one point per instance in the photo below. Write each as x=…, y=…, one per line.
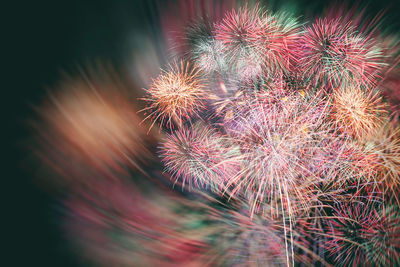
x=384, y=145
x=176, y=95
x=357, y=112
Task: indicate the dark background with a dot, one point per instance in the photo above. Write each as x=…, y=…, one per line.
x=43, y=38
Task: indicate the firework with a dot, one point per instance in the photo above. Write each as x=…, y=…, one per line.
x=333, y=53
x=209, y=56
x=359, y=112
x=361, y=234
x=235, y=33
x=207, y=52
x=276, y=141
x=176, y=95
x=348, y=234
x=235, y=30
x=384, y=147
x=276, y=40
x=200, y=156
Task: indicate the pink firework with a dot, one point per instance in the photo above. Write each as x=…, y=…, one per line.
x=277, y=140
x=200, y=156
x=256, y=41
x=339, y=161
x=334, y=54
x=235, y=32
x=236, y=29
x=275, y=41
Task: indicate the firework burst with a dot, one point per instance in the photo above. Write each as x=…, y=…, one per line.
x=235, y=33
x=176, y=95
x=361, y=234
x=349, y=228
x=200, y=156
x=205, y=50
x=333, y=53
x=209, y=56
x=359, y=112
x=236, y=28
x=384, y=236
x=275, y=40
x=384, y=147
x=276, y=141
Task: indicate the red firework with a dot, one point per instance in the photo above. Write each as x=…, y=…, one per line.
x=257, y=40
x=334, y=54
x=275, y=41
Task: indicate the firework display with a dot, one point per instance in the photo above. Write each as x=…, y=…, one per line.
x=268, y=141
